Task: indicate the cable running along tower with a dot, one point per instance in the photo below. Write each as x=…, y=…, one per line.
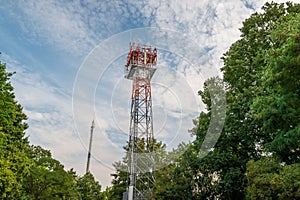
x=140, y=67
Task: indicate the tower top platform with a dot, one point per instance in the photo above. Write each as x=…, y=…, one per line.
x=141, y=62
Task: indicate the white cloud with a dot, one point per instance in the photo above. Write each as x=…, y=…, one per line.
x=49, y=113
x=57, y=24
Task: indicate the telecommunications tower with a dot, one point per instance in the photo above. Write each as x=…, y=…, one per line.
x=139, y=68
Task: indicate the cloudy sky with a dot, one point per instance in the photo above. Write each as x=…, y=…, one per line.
x=69, y=57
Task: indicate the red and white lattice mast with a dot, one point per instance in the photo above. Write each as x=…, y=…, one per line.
x=140, y=67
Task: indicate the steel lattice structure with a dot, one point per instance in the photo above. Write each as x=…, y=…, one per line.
x=140, y=67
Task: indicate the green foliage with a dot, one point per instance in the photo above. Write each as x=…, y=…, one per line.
x=11, y=115
x=270, y=179
x=88, y=188
x=261, y=75
x=8, y=178
x=14, y=163
x=219, y=173
x=175, y=180
x=278, y=104
x=30, y=172
x=48, y=179
x=278, y=108
x=119, y=182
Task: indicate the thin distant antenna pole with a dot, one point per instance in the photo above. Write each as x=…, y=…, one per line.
x=90, y=147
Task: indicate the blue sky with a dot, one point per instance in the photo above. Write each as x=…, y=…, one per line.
x=69, y=58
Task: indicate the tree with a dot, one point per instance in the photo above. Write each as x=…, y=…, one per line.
x=14, y=163
x=278, y=176
x=244, y=137
x=269, y=179
x=89, y=188
x=218, y=174
x=119, y=182
x=278, y=103
x=221, y=174
x=47, y=178
x=175, y=180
